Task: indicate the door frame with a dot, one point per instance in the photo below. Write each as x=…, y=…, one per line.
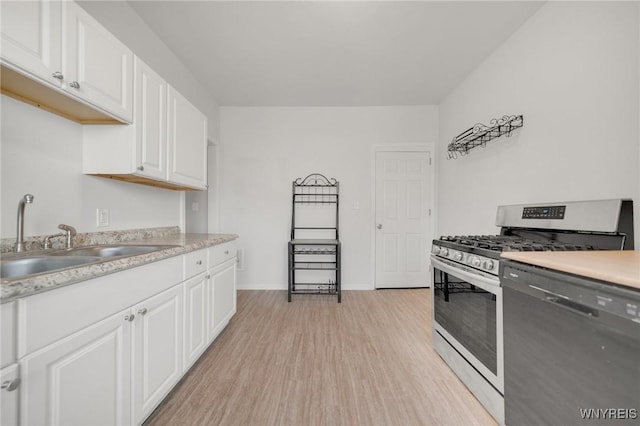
x=426, y=147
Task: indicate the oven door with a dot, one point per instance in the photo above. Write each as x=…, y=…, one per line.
x=467, y=313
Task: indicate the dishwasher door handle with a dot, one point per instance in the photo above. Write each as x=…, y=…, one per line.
x=573, y=306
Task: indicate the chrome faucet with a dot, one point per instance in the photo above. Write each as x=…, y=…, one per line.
x=70, y=232
x=27, y=199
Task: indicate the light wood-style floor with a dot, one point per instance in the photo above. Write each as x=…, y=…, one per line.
x=366, y=361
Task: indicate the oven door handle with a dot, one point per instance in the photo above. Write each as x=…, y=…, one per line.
x=477, y=280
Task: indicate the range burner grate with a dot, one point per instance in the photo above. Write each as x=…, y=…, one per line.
x=513, y=243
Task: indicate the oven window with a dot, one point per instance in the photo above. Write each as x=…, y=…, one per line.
x=468, y=313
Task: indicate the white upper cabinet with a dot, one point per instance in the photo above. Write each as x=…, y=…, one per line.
x=98, y=67
x=166, y=146
x=187, y=140
x=57, y=57
x=31, y=37
x=150, y=122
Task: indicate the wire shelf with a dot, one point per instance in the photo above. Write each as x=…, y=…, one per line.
x=480, y=134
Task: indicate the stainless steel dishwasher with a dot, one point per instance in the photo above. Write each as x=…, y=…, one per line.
x=571, y=349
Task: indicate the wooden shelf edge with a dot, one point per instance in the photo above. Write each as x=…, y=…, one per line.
x=145, y=181
x=36, y=93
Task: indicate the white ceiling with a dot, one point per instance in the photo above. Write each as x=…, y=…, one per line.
x=332, y=53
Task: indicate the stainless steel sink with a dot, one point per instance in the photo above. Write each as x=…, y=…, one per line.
x=15, y=265
x=22, y=266
x=111, y=250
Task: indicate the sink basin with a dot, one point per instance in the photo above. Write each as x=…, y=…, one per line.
x=22, y=266
x=111, y=250
x=18, y=264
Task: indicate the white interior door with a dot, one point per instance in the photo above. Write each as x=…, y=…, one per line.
x=403, y=222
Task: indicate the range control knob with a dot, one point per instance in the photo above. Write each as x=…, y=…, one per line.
x=488, y=265
x=475, y=261
x=457, y=256
x=435, y=250
x=444, y=251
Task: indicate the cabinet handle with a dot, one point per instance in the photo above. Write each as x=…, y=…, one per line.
x=199, y=262
x=142, y=311
x=207, y=276
x=226, y=252
x=11, y=385
x=74, y=84
x=141, y=168
x=58, y=75
x=129, y=317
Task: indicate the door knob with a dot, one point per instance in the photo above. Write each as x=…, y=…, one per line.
x=379, y=226
x=11, y=385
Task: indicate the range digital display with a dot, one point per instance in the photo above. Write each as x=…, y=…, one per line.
x=548, y=212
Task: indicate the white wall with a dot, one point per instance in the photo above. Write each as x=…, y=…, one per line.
x=264, y=149
x=572, y=71
x=42, y=155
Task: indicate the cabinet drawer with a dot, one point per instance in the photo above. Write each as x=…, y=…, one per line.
x=195, y=263
x=8, y=330
x=221, y=253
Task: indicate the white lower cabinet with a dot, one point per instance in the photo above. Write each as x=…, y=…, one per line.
x=157, y=350
x=115, y=371
x=84, y=379
x=195, y=318
x=221, y=297
x=9, y=396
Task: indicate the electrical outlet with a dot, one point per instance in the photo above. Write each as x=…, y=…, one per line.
x=195, y=206
x=356, y=205
x=102, y=217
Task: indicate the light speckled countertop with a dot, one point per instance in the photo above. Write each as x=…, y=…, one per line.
x=184, y=243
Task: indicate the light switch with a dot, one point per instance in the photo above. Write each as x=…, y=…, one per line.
x=102, y=217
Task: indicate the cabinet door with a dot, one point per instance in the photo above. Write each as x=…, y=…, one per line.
x=221, y=296
x=10, y=379
x=82, y=379
x=187, y=141
x=195, y=326
x=31, y=37
x=157, y=351
x=98, y=67
x=150, y=105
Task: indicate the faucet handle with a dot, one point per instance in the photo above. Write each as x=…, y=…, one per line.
x=71, y=232
x=68, y=228
x=46, y=243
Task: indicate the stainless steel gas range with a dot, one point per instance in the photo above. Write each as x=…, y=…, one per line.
x=466, y=291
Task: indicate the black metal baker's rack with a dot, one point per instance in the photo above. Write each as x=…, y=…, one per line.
x=321, y=253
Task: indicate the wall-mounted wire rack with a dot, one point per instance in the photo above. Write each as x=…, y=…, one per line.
x=314, y=254
x=480, y=134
